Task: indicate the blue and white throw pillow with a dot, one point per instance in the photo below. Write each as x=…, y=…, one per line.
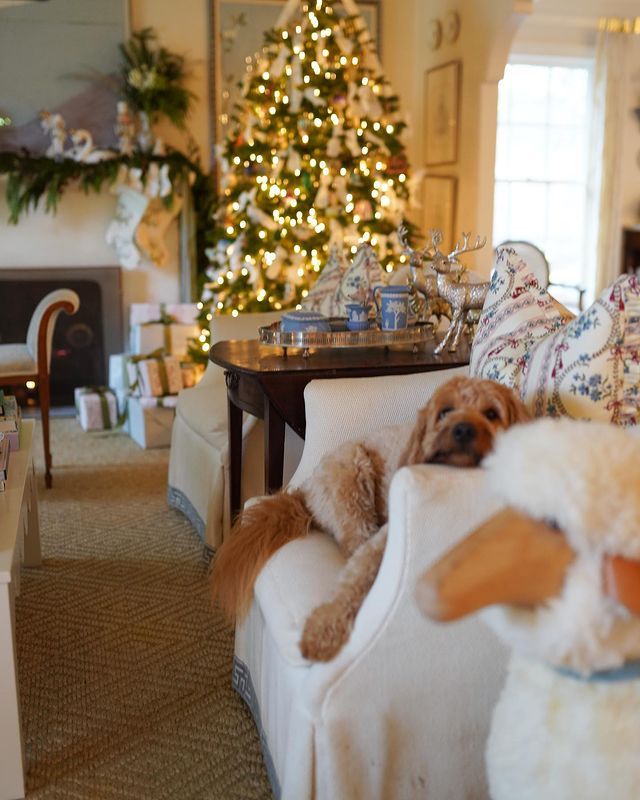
x=587, y=367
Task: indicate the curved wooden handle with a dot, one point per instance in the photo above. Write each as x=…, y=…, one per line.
x=60, y=305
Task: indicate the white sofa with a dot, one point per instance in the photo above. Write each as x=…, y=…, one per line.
x=403, y=711
x=199, y=458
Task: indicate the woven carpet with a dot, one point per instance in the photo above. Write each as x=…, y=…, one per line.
x=125, y=669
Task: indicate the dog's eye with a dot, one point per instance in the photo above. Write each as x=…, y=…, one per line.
x=444, y=411
x=491, y=414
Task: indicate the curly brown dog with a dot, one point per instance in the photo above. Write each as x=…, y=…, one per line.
x=346, y=496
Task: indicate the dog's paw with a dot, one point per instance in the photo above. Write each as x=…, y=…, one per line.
x=325, y=632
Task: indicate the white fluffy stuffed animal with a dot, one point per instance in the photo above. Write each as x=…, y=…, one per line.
x=559, y=573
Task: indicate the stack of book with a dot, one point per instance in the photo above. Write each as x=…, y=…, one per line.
x=9, y=433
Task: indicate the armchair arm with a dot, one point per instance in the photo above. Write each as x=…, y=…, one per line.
x=435, y=686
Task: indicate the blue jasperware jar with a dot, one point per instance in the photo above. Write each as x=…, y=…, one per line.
x=304, y=322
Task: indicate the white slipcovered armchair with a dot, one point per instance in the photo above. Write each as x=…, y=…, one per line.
x=404, y=710
x=199, y=457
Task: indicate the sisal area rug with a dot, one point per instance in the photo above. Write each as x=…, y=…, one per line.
x=125, y=669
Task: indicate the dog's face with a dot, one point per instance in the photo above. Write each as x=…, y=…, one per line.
x=459, y=423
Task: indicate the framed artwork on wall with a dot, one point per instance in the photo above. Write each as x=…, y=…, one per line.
x=237, y=29
x=439, y=203
x=442, y=112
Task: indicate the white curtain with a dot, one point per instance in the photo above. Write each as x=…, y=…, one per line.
x=610, y=110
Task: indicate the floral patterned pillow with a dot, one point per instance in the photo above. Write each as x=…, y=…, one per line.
x=586, y=368
x=323, y=295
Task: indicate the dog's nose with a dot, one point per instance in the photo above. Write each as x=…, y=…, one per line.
x=463, y=432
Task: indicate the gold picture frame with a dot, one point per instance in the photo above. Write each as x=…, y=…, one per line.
x=442, y=112
x=439, y=199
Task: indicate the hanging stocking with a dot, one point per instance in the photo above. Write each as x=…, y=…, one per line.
x=122, y=230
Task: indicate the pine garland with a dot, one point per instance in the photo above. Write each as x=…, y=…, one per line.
x=32, y=178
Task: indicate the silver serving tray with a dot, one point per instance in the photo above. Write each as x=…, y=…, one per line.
x=374, y=337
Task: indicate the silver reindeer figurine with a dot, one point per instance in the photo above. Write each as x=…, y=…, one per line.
x=463, y=297
x=423, y=280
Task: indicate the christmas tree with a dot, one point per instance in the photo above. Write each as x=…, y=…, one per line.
x=313, y=159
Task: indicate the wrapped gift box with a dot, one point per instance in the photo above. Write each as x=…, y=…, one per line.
x=191, y=374
x=150, y=425
x=181, y=313
x=97, y=408
x=168, y=401
x=154, y=376
x=118, y=373
x=119, y=383
x=173, y=338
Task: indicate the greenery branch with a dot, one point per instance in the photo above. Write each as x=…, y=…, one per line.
x=33, y=178
x=152, y=78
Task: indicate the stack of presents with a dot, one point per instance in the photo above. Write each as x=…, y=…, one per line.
x=144, y=383
x=9, y=433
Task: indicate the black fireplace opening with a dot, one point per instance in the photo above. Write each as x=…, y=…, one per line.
x=79, y=356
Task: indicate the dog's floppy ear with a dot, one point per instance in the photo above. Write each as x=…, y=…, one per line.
x=518, y=412
x=414, y=452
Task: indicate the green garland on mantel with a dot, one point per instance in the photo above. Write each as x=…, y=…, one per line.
x=31, y=178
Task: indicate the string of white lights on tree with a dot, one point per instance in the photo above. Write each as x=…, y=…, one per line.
x=314, y=158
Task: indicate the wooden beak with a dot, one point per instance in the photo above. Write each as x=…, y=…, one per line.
x=621, y=581
x=510, y=559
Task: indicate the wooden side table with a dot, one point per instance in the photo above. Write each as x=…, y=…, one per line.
x=19, y=540
x=269, y=385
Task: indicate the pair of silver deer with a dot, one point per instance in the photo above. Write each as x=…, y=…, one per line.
x=441, y=276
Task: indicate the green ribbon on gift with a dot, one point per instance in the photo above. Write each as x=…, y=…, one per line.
x=164, y=378
x=167, y=320
x=158, y=356
x=102, y=392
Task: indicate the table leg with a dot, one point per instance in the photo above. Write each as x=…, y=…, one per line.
x=11, y=754
x=274, y=428
x=234, y=415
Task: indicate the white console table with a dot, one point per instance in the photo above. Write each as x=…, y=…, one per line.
x=19, y=541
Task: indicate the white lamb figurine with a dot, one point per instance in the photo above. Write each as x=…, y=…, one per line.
x=559, y=574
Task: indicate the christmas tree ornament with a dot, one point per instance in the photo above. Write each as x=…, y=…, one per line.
x=334, y=145
x=294, y=162
x=353, y=146
x=322, y=195
x=364, y=210
x=274, y=270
